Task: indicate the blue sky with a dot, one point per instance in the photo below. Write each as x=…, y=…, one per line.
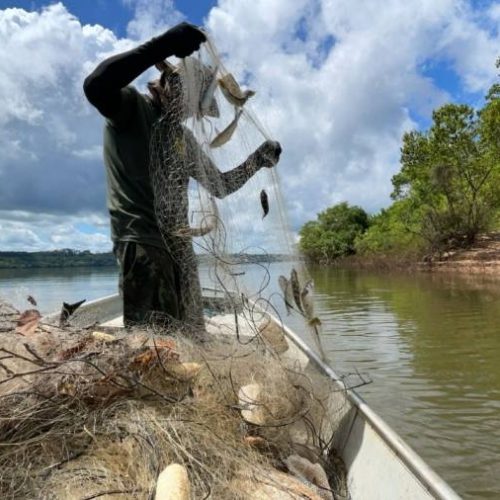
x=114, y=14
x=338, y=82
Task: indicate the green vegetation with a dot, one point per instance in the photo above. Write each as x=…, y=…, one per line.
x=446, y=193
x=334, y=233
x=57, y=258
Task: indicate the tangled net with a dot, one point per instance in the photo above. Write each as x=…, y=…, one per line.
x=92, y=414
x=214, y=200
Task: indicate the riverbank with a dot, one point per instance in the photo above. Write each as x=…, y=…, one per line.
x=482, y=258
x=56, y=259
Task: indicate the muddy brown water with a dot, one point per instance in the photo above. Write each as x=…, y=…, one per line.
x=431, y=345
x=429, y=342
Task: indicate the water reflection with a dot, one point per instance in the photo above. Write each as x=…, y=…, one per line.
x=50, y=287
x=430, y=343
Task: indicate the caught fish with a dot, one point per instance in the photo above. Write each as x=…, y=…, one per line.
x=67, y=310
x=232, y=92
x=306, y=297
x=264, y=201
x=193, y=232
x=286, y=288
x=315, y=325
x=314, y=322
x=244, y=300
x=295, y=285
x=208, y=106
x=227, y=133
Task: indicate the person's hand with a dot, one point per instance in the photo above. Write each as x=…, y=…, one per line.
x=181, y=40
x=267, y=154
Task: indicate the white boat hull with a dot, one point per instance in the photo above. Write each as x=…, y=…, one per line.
x=380, y=465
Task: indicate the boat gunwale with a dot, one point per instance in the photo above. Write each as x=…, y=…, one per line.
x=429, y=479
x=437, y=486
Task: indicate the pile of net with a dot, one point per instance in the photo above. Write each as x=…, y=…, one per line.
x=113, y=413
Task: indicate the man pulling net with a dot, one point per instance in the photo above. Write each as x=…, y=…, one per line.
x=150, y=156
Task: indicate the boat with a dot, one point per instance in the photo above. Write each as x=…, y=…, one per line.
x=379, y=464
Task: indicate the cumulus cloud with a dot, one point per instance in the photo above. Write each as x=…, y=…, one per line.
x=50, y=137
x=338, y=83
x=28, y=231
x=45, y=123
x=151, y=17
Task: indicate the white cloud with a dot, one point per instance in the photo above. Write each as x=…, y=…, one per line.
x=45, y=119
x=340, y=113
x=494, y=13
x=337, y=82
x=151, y=17
x=51, y=168
x=27, y=231
x=90, y=153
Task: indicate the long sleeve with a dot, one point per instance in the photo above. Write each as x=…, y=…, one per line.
x=104, y=85
x=217, y=183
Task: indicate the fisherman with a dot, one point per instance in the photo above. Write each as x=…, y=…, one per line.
x=151, y=279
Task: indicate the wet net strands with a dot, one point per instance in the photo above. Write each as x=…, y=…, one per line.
x=215, y=199
x=87, y=413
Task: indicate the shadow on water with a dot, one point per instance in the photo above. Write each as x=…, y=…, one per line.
x=430, y=343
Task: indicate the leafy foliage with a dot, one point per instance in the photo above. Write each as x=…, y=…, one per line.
x=392, y=230
x=334, y=232
x=452, y=173
x=446, y=193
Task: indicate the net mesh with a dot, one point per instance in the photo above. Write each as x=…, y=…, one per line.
x=219, y=209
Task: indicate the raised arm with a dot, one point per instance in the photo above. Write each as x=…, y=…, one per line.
x=103, y=86
x=220, y=184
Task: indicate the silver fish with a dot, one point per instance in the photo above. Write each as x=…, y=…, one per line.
x=207, y=103
x=286, y=288
x=232, y=92
x=193, y=232
x=294, y=282
x=306, y=296
x=264, y=202
x=227, y=133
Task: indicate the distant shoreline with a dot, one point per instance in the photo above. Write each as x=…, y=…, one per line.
x=69, y=258
x=56, y=259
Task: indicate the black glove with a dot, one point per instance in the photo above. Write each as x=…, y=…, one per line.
x=181, y=41
x=267, y=154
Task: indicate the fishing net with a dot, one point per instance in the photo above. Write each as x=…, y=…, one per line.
x=105, y=413
x=217, y=196
x=92, y=411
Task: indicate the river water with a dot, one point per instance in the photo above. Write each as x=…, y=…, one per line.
x=430, y=343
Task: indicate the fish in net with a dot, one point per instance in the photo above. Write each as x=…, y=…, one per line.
x=208, y=157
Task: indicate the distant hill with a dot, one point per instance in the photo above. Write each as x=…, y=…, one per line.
x=56, y=258
x=85, y=258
